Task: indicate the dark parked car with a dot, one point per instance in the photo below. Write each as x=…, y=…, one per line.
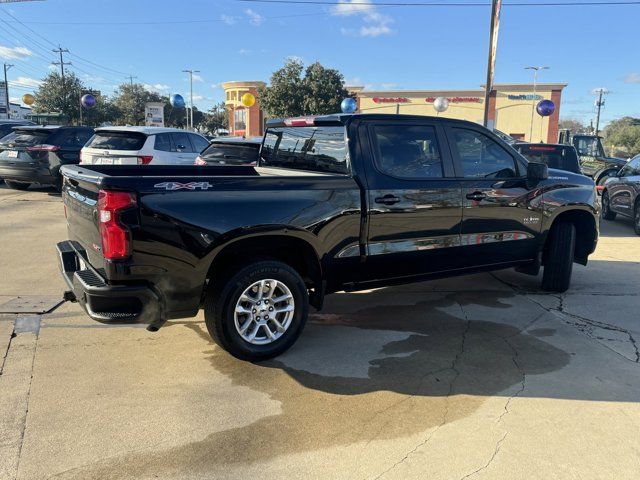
x=561, y=157
x=621, y=194
x=34, y=154
x=231, y=151
x=337, y=202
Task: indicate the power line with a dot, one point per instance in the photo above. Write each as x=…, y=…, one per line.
x=442, y=4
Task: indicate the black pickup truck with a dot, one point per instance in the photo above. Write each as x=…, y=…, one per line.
x=337, y=202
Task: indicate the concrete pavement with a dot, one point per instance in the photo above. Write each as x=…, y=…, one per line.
x=474, y=377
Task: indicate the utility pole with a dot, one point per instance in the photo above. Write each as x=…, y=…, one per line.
x=533, y=100
x=131, y=77
x=496, y=5
x=599, y=105
x=191, y=72
x=62, y=63
x=7, y=66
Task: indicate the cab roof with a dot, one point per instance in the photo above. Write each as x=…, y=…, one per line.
x=344, y=118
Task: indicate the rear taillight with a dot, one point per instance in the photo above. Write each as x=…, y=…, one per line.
x=200, y=161
x=116, y=238
x=43, y=148
x=144, y=159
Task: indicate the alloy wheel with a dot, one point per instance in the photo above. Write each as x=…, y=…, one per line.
x=264, y=311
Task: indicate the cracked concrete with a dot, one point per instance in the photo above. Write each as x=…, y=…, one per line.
x=476, y=377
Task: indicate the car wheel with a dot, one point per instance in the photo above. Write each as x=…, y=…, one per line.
x=636, y=219
x=17, y=185
x=559, y=259
x=606, y=212
x=258, y=312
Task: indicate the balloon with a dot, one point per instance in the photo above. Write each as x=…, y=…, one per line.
x=176, y=100
x=440, y=104
x=348, y=105
x=248, y=100
x=88, y=101
x=545, y=108
x=28, y=99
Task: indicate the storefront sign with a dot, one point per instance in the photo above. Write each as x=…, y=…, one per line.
x=456, y=99
x=529, y=97
x=390, y=100
x=154, y=114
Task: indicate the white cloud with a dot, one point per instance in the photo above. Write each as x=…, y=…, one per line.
x=389, y=86
x=376, y=24
x=197, y=78
x=228, y=19
x=215, y=85
x=14, y=53
x=28, y=81
x=254, y=17
x=244, y=51
x=156, y=87
x=596, y=91
x=633, y=77
x=197, y=98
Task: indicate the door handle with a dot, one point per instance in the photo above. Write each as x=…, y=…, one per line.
x=477, y=196
x=387, y=199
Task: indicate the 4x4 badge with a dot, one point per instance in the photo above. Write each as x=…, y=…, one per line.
x=183, y=186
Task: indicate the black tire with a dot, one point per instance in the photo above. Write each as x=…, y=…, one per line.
x=636, y=218
x=606, y=212
x=17, y=185
x=220, y=304
x=559, y=259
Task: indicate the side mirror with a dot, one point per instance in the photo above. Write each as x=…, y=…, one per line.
x=537, y=172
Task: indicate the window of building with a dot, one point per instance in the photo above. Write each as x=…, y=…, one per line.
x=240, y=119
x=481, y=156
x=408, y=151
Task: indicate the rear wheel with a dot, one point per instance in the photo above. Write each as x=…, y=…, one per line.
x=559, y=259
x=17, y=185
x=606, y=212
x=258, y=312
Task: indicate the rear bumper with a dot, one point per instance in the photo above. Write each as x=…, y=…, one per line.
x=27, y=173
x=103, y=302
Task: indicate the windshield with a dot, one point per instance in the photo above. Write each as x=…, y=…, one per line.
x=117, y=140
x=559, y=157
x=26, y=139
x=320, y=149
x=588, y=146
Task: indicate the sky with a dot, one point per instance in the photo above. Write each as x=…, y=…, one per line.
x=380, y=47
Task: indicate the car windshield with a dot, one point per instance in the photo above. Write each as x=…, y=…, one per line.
x=229, y=154
x=25, y=138
x=589, y=146
x=321, y=149
x=559, y=157
x=117, y=140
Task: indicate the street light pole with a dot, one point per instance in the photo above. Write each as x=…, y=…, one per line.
x=491, y=62
x=191, y=72
x=7, y=66
x=599, y=104
x=533, y=108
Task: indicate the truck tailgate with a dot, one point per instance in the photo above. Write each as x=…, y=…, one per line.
x=80, y=197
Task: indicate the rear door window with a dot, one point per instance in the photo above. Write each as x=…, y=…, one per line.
x=163, y=142
x=408, y=151
x=320, y=149
x=118, y=140
x=181, y=142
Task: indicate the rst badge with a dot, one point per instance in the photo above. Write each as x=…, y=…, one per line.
x=183, y=186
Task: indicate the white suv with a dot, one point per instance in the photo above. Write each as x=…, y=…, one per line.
x=142, y=146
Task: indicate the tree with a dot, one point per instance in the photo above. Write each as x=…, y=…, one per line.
x=103, y=111
x=130, y=100
x=56, y=94
x=624, y=135
x=289, y=94
x=216, y=119
x=573, y=125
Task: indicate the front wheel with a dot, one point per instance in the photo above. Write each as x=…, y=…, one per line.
x=258, y=312
x=606, y=212
x=17, y=185
x=559, y=259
